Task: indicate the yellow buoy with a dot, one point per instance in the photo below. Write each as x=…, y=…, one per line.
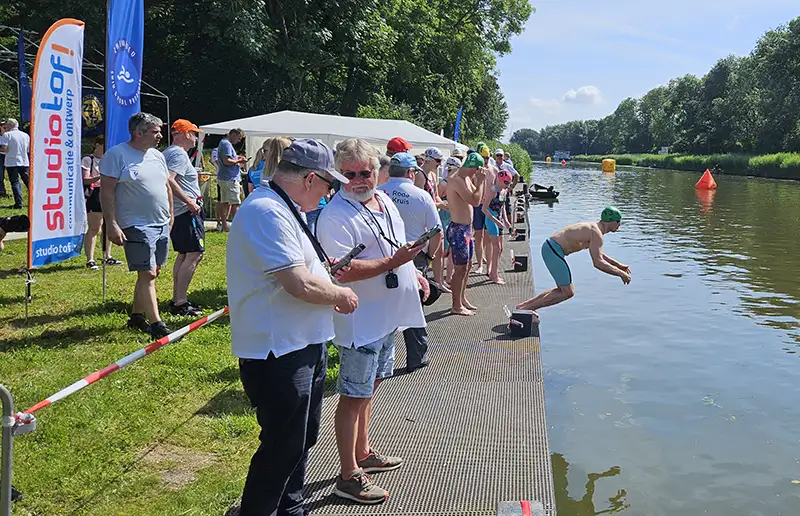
x=548, y=159
x=609, y=165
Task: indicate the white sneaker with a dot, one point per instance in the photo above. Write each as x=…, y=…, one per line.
x=480, y=270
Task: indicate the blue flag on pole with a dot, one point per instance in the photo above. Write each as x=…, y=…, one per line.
x=458, y=123
x=124, y=46
x=25, y=92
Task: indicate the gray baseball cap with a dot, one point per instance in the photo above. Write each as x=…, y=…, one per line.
x=313, y=155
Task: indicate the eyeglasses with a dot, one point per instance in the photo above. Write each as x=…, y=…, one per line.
x=438, y=161
x=363, y=174
x=324, y=180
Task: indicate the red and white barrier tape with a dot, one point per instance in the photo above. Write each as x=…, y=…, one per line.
x=119, y=364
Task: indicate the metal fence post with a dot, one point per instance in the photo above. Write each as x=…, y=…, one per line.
x=6, y=451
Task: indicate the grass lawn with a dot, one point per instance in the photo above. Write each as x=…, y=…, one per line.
x=171, y=434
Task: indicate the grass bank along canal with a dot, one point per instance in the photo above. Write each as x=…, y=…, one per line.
x=678, y=393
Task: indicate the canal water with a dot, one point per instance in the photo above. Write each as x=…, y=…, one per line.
x=679, y=393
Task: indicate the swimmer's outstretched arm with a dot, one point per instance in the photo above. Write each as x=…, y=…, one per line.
x=616, y=264
x=599, y=261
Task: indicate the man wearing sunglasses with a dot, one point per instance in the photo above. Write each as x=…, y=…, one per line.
x=282, y=303
x=387, y=285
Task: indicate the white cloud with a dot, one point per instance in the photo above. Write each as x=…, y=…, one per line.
x=584, y=95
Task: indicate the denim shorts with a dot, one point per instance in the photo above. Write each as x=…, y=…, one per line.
x=146, y=247
x=360, y=367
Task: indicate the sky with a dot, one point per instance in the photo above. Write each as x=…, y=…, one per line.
x=577, y=59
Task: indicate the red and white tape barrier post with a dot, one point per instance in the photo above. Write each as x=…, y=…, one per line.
x=22, y=417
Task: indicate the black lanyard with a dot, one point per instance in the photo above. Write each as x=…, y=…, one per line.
x=323, y=257
x=391, y=241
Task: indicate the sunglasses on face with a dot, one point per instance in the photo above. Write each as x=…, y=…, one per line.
x=438, y=161
x=506, y=183
x=363, y=174
x=318, y=176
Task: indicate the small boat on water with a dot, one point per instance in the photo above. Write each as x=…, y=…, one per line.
x=542, y=192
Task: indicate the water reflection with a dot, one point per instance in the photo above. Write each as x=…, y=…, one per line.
x=706, y=199
x=583, y=506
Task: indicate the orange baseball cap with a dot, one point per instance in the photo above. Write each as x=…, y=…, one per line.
x=185, y=126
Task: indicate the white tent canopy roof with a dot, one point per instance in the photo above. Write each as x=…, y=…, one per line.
x=332, y=129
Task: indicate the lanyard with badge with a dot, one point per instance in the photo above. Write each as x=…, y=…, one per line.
x=391, y=278
x=323, y=257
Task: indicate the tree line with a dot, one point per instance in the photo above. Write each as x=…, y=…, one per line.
x=417, y=60
x=748, y=105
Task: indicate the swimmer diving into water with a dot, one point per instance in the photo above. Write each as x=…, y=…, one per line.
x=572, y=239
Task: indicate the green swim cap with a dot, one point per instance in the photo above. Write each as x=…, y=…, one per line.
x=474, y=160
x=611, y=214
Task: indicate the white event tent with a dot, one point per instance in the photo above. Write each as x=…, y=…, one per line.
x=331, y=129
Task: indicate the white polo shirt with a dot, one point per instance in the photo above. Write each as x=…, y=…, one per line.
x=264, y=317
x=415, y=205
x=18, y=148
x=345, y=223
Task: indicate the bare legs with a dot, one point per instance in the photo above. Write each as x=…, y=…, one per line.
x=352, y=437
x=182, y=273
x=548, y=298
x=90, y=241
x=144, y=295
x=493, y=257
x=480, y=236
x=438, y=269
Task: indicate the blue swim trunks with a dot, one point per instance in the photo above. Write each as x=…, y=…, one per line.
x=553, y=256
x=460, y=237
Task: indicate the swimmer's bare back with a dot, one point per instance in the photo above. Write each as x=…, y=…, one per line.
x=577, y=237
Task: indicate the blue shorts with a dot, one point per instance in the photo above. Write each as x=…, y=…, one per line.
x=478, y=218
x=553, y=256
x=146, y=247
x=491, y=227
x=360, y=367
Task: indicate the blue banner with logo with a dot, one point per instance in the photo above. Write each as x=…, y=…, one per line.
x=25, y=92
x=92, y=112
x=458, y=123
x=125, y=40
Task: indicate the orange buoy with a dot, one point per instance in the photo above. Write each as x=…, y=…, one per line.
x=706, y=182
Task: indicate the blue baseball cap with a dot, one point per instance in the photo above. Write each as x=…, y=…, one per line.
x=313, y=155
x=404, y=159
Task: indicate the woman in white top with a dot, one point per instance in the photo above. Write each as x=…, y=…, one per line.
x=90, y=165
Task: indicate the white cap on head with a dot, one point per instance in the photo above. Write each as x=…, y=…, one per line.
x=500, y=152
x=433, y=153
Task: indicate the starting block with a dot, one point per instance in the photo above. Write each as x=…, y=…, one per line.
x=520, y=324
x=520, y=262
x=518, y=235
x=520, y=218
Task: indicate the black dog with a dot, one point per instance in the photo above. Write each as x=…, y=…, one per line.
x=15, y=224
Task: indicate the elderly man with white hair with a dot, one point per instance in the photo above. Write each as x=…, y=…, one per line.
x=16, y=145
x=387, y=285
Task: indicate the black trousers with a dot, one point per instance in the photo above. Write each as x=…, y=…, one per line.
x=287, y=394
x=416, y=340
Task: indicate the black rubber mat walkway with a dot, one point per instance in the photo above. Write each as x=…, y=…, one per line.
x=471, y=426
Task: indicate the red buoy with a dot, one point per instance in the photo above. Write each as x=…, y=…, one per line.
x=706, y=182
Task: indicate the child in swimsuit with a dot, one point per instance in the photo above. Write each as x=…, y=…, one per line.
x=496, y=220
